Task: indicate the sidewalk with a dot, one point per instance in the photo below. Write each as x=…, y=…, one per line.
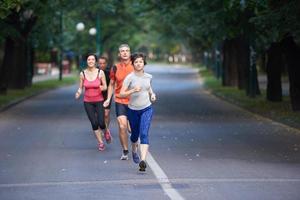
x=52, y=76
x=35, y=79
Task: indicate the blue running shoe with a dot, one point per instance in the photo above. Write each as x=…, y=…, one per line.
x=135, y=157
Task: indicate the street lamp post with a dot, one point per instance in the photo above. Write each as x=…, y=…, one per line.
x=61, y=45
x=252, y=73
x=80, y=28
x=29, y=66
x=92, y=31
x=98, y=37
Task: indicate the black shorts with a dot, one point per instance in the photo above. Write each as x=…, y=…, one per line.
x=121, y=109
x=104, y=93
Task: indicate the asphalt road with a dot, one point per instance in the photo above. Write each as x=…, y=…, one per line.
x=200, y=148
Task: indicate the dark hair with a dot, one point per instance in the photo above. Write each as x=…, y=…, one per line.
x=102, y=57
x=138, y=55
x=91, y=54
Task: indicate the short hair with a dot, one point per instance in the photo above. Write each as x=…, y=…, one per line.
x=137, y=55
x=103, y=57
x=124, y=45
x=91, y=54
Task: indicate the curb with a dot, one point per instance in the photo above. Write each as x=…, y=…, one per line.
x=209, y=92
x=20, y=100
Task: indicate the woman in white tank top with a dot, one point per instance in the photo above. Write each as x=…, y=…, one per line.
x=137, y=85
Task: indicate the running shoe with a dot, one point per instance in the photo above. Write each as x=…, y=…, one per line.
x=124, y=156
x=135, y=157
x=142, y=166
x=107, y=136
x=101, y=146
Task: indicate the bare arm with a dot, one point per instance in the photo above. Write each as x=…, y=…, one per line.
x=110, y=90
x=79, y=91
x=125, y=92
x=103, y=86
x=152, y=94
x=151, y=91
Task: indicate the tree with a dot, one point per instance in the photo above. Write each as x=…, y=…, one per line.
x=278, y=22
x=273, y=69
x=15, y=65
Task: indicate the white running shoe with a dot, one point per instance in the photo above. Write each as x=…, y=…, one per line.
x=124, y=156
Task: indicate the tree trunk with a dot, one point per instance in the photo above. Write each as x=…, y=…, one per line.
x=110, y=60
x=257, y=89
x=292, y=57
x=252, y=88
x=273, y=69
x=243, y=61
x=30, y=67
x=7, y=59
x=230, y=69
x=246, y=62
x=236, y=66
x=17, y=65
x=262, y=62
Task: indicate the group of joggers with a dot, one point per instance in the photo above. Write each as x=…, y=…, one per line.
x=133, y=96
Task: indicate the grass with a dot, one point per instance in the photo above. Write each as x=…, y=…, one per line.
x=14, y=95
x=277, y=111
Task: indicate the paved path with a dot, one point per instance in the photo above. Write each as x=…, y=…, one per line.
x=201, y=148
x=39, y=78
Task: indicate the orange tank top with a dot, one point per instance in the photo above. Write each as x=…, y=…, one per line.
x=118, y=74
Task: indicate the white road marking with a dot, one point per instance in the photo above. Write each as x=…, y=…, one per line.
x=163, y=179
x=189, y=181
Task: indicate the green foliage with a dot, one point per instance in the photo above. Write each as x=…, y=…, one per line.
x=6, y=7
x=276, y=19
x=202, y=24
x=42, y=56
x=162, y=26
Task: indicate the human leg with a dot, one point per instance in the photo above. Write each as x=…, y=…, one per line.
x=121, y=112
x=123, y=136
x=146, y=118
x=92, y=113
x=107, y=134
x=107, y=117
x=102, y=122
x=90, y=109
x=98, y=134
x=134, y=121
x=107, y=111
x=100, y=115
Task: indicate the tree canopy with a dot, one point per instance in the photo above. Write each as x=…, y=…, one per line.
x=239, y=29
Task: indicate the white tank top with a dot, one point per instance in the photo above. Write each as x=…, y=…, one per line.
x=139, y=100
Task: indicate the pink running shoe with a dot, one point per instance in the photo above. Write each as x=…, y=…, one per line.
x=101, y=146
x=107, y=136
